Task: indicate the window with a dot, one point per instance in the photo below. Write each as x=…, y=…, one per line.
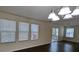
x=34, y=31
x=7, y=30
x=23, y=31
x=70, y=32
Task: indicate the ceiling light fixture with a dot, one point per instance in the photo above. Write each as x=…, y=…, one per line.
x=64, y=11
x=68, y=16
x=75, y=12
x=50, y=15
x=53, y=16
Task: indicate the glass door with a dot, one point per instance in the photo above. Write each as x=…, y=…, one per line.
x=55, y=33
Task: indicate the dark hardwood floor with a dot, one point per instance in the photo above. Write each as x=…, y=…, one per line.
x=54, y=47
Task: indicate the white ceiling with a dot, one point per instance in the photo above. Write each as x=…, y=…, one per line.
x=36, y=12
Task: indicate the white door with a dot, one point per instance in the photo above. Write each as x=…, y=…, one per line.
x=55, y=32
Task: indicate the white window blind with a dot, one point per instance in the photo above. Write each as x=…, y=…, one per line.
x=7, y=30
x=23, y=31
x=70, y=32
x=34, y=31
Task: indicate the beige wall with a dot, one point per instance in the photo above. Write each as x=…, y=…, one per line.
x=69, y=22
x=44, y=34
